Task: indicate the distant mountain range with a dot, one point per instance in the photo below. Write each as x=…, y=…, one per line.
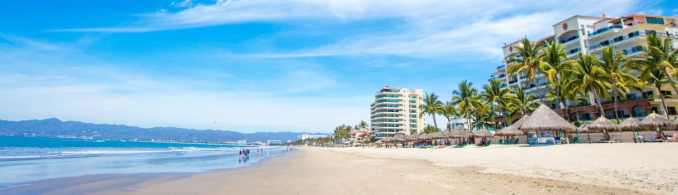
x=56, y=128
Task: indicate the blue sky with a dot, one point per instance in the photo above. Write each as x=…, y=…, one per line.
x=256, y=65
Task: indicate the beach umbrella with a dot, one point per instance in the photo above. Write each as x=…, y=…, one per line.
x=482, y=133
x=630, y=124
x=655, y=121
x=509, y=131
x=546, y=119
x=460, y=134
x=400, y=137
x=513, y=130
x=602, y=124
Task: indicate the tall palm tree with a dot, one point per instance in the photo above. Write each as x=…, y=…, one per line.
x=493, y=92
x=657, y=64
x=526, y=59
x=523, y=103
x=465, y=97
x=449, y=111
x=555, y=63
x=431, y=107
x=621, y=79
x=588, y=75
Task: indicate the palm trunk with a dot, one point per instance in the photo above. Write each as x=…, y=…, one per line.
x=435, y=124
x=661, y=97
x=564, y=107
x=448, y=124
x=616, y=109
x=597, y=102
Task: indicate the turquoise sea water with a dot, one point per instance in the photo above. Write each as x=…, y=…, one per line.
x=26, y=159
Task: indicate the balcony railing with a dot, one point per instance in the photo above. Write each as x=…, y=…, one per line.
x=605, y=29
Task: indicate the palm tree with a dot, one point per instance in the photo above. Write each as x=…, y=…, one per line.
x=657, y=65
x=481, y=113
x=526, y=59
x=588, y=75
x=432, y=106
x=506, y=107
x=621, y=79
x=523, y=103
x=362, y=124
x=493, y=92
x=555, y=63
x=449, y=111
x=465, y=97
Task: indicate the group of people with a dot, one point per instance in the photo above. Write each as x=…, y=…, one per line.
x=244, y=155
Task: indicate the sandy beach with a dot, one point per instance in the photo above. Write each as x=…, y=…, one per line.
x=566, y=169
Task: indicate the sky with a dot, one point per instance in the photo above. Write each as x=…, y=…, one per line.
x=256, y=65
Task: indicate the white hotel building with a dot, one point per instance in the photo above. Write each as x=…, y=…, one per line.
x=587, y=35
x=397, y=110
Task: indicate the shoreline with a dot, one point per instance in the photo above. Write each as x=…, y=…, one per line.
x=95, y=183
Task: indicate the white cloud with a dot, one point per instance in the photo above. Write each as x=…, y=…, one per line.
x=73, y=86
x=430, y=28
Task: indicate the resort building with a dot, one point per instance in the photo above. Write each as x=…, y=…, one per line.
x=588, y=35
x=396, y=110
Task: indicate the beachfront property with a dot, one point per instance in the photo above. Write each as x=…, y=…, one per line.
x=396, y=110
x=588, y=35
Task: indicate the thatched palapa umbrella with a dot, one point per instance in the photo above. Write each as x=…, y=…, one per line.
x=655, y=121
x=604, y=125
x=630, y=124
x=658, y=123
x=513, y=130
x=546, y=119
x=483, y=133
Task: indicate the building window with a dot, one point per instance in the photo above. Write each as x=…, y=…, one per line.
x=655, y=20
x=636, y=48
x=648, y=94
x=638, y=111
x=618, y=39
x=666, y=93
x=634, y=34
x=605, y=43
x=632, y=96
x=573, y=51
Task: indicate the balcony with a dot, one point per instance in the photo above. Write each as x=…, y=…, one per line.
x=569, y=40
x=606, y=29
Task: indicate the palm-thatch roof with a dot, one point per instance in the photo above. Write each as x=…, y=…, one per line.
x=513, y=130
x=654, y=121
x=386, y=139
x=482, y=133
x=399, y=137
x=630, y=124
x=583, y=128
x=460, y=134
x=438, y=135
x=509, y=131
x=546, y=119
x=602, y=124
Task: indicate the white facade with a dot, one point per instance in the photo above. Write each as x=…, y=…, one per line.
x=397, y=110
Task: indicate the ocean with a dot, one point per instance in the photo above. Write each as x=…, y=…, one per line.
x=28, y=159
